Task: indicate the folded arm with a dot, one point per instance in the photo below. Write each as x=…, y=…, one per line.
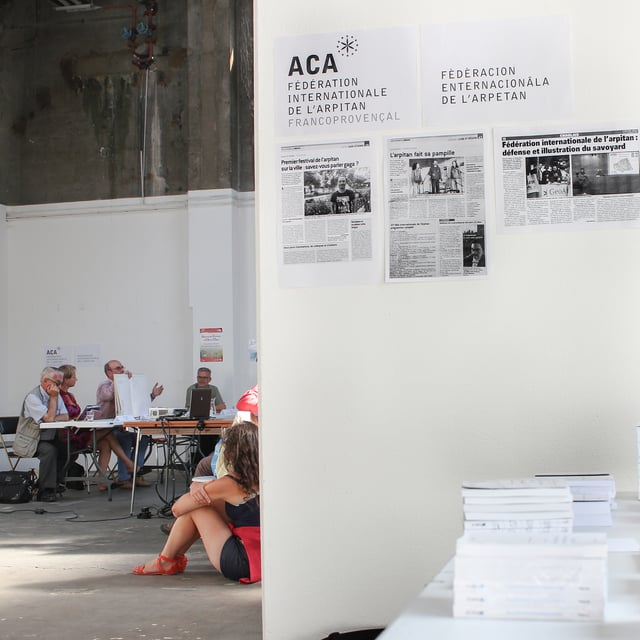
x=204, y=495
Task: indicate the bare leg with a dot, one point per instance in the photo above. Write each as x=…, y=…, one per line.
x=214, y=532
x=205, y=523
x=108, y=443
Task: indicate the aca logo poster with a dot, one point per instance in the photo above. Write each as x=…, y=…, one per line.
x=347, y=81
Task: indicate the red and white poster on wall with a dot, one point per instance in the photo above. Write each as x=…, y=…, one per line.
x=211, y=345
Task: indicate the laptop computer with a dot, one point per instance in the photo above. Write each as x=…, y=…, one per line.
x=200, y=405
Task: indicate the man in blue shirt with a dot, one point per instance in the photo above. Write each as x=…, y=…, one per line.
x=44, y=404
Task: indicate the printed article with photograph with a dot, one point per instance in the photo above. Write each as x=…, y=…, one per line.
x=326, y=227
x=565, y=180
x=435, y=216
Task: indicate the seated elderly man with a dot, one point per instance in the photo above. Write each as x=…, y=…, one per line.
x=44, y=404
x=105, y=397
x=203, y=381
x=206, y=444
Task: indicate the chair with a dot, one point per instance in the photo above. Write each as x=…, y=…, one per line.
x=91, y=472
x=7, y=434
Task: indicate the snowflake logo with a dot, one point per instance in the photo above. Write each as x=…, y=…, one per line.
x=347, y=46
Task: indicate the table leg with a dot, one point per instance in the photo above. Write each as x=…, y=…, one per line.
x=135, y=469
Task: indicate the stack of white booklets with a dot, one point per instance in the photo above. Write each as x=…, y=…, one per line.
x=530, y=576
x=519, y=504
x=593, y=498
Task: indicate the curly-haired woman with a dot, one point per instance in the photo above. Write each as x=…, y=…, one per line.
x=223, y=513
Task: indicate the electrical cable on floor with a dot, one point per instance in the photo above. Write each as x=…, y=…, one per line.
x=146, y=513
x=72, y=518
x=154, y=511
x=75, y=519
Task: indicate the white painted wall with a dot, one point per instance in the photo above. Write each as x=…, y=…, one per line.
x=377, y=401
x=221, y=257
x=243, y=261
x=119, y=274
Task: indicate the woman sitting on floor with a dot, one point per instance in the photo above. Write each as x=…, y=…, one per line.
x=223, y=513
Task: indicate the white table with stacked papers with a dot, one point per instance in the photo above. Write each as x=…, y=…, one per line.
x=430, y=615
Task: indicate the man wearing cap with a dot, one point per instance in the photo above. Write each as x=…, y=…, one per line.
x=214, y=464
x=248, y=402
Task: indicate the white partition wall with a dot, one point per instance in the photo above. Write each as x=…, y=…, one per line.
x=377, y=400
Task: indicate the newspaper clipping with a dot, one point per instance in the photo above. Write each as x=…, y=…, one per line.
x=435, y=207
x=326, y=209
x=567, y=180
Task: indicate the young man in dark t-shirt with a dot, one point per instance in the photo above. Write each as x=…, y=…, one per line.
x=343, y=200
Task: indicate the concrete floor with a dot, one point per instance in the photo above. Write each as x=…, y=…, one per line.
x=66, y=573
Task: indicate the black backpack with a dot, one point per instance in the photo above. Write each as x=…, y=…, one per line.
x=16, y=486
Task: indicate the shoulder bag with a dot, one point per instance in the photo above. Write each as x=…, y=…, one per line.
x=27, y=437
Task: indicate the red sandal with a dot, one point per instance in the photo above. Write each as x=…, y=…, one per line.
x=176, y=565
x=181, y=562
